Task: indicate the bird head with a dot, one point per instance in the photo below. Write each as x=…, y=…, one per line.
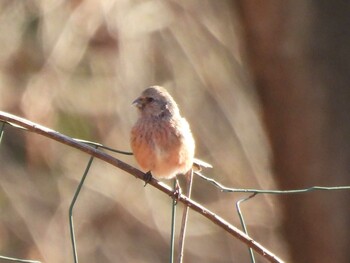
x=155, y=101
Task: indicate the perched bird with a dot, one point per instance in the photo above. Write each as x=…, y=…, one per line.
x=161, y=138
x=163, y=144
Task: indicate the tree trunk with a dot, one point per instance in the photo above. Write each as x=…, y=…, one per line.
x=299, y=56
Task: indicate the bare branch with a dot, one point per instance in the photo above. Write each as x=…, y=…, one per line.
x=39, y=129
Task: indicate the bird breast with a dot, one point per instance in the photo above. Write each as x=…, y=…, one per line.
x=164, y=147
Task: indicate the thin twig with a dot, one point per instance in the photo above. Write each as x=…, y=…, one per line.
x=189, y=180
x=2, y=127
x=259, y=191
x=173, y=223
x=39, y=129
x=19, y=260
x=99, y=145
x=71, y=207
x=241, y=218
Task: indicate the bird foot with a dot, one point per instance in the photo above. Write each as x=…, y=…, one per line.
x=147, y=177
x=177, y=192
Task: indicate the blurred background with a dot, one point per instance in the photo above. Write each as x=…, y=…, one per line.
x=244, y=75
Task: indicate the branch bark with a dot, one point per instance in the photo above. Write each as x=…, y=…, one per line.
x=54, y=135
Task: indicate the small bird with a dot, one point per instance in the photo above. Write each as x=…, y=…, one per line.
x=163, y=145
x=161, y=139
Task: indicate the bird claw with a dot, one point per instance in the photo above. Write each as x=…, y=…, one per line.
x=147, y=177
x=177, y=192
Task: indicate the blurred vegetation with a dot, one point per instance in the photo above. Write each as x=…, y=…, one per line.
x=76, y=66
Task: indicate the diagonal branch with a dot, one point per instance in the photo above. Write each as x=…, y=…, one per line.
x=39, y=129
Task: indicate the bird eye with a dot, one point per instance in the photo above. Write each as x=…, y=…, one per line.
x=149, y=99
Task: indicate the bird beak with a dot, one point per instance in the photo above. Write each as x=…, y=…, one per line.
x=138, y=103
